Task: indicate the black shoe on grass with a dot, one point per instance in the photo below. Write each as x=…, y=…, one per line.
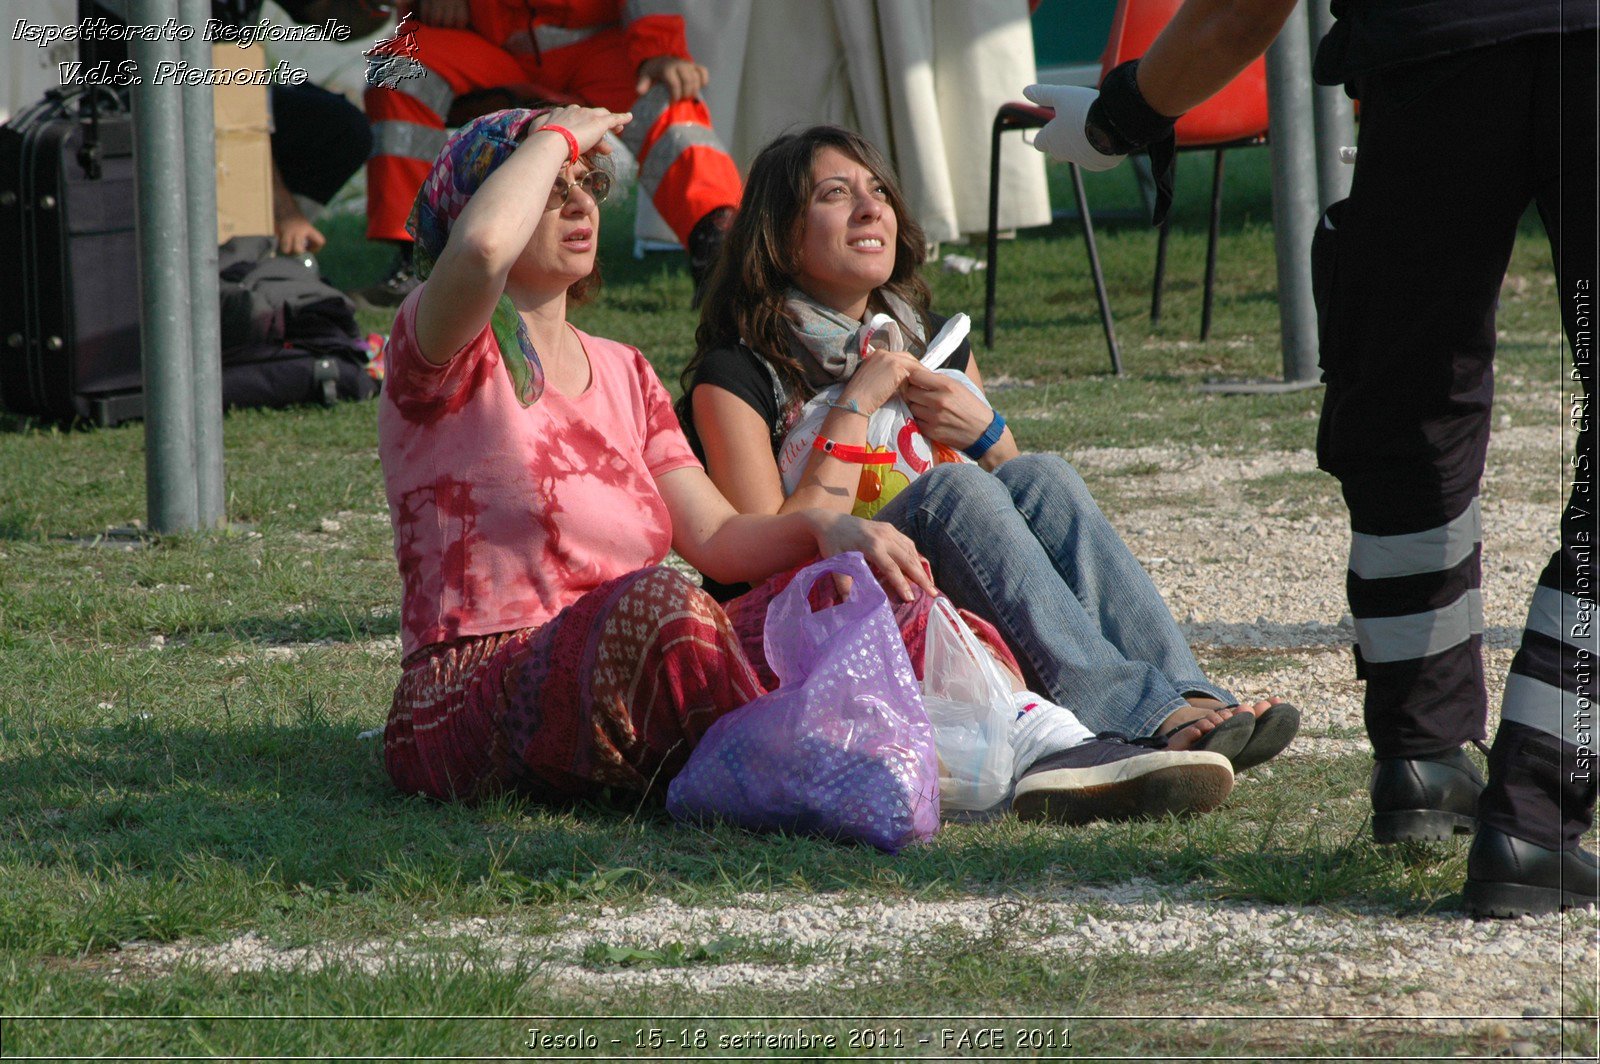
x=1507, y=877
x=1424, y=799
x=1112, y=778
x=705, y=244
x=393, y=289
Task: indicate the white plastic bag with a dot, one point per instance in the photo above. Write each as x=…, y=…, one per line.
x=891, y=427
x=968, y=698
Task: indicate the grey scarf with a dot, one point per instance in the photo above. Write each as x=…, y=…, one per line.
x=829, y=344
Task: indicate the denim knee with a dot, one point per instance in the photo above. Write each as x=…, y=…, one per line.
x=1049, y=473
x=956, y=487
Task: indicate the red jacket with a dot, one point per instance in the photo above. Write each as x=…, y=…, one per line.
x=650, y=28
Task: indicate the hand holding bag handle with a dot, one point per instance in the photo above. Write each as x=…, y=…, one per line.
x=795, y=635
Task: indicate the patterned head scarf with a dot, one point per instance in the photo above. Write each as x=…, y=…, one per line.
x=463, y=165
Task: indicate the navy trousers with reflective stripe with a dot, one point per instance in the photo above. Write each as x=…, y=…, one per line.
x=1407, y=272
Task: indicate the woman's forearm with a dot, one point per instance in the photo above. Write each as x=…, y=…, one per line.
x=731, y=547
x=1004, y=450
x=829, y=483
x=498, y=221
x=748, y=548
x=485, y=241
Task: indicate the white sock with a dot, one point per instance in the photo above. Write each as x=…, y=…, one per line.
x=1041, y=728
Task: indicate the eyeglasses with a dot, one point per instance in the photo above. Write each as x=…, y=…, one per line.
x=597, y=183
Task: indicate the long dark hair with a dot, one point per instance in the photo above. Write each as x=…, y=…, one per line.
x=744, y=298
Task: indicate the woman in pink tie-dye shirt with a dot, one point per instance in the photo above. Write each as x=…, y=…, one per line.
x=536, y=478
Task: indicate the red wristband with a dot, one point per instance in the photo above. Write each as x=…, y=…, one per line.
x=572, y=142
x=848, y=453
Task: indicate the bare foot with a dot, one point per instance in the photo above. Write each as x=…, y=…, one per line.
x=1261, y=706
x=1202, y=716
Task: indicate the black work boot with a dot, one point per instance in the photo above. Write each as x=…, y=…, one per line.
x=705, y=243
x=393, y=289
x=1424, y=799
x=1508, y=876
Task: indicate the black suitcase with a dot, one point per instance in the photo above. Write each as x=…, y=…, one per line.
x=70, y=322
x=69, y=311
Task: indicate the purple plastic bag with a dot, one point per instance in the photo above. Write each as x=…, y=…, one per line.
x=843, y=747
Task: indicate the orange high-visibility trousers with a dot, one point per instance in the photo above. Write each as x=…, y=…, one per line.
x=683, y=166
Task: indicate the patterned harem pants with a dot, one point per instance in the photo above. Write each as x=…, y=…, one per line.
x=612, y=693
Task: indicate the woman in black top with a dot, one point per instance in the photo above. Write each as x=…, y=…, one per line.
x=822, y=242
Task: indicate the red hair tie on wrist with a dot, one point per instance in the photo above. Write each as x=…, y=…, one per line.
x=847, y=453
x=572, y=142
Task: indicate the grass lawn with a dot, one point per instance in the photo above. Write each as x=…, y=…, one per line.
x=179, y=761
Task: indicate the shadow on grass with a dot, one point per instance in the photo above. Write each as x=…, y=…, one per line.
x=13, y=424
x=1309, y=635
x=16, y=525
x=317, y=625
x=1340, y=874
x=142, y=831
x=308, y=803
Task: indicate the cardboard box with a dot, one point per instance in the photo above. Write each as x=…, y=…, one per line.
x=244, y=147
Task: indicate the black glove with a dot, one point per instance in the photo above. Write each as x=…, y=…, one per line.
x=1120, y=122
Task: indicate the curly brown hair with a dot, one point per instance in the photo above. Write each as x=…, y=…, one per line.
x=744, y=300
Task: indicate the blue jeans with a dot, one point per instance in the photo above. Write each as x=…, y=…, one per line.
x=1027, y=548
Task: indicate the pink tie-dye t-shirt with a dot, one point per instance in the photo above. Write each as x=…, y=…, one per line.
x=504, y=515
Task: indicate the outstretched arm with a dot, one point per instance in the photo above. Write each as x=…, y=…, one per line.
x=296, y=235
x=1205, y=46
x=684, y=78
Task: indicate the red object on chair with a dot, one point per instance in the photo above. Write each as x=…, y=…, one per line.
x=1235, y=117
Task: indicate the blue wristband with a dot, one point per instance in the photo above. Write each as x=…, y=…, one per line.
x=990, y=437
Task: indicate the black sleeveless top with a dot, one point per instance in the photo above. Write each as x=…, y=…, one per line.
x=747, y=375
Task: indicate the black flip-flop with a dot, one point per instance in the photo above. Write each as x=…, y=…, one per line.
x=1274, y=730
x=1229, y=738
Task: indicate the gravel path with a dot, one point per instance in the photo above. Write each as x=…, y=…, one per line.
x=1256, y=579
x=1513, y=976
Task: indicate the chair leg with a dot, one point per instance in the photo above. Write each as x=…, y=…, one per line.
x=1161, y=270
x=1094, y=269
x=994, y=236
x=1211, y=246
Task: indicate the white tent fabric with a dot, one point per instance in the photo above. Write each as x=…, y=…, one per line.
x=27, y=70
x=922, y=79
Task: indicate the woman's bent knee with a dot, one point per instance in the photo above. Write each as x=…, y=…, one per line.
x=1047, y=471
x=667, y=592
x=956, y=483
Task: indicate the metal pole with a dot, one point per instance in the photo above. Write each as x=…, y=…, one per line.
x=1336, y=126
x=1294, y=194
x=205, y=319
x=163, y=279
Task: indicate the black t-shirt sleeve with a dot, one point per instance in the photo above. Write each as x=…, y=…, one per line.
x=736, y=370
x=739, y=371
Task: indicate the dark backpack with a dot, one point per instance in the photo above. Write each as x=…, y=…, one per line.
x=287, y=335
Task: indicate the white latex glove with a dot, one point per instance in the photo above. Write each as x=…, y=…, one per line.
x=1063, y=138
